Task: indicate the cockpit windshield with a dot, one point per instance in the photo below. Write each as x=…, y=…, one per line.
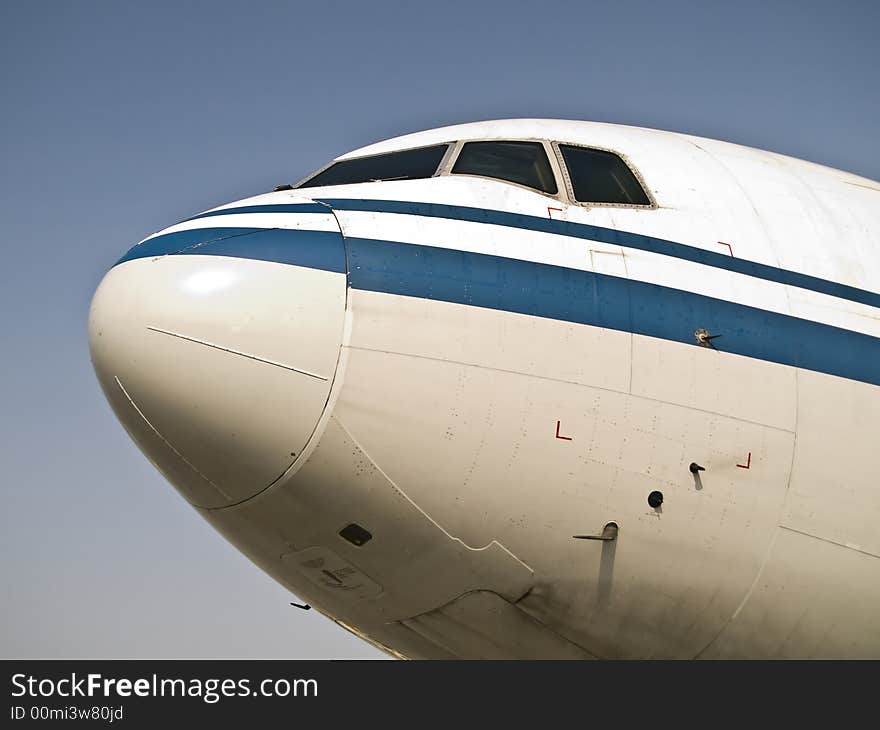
x=523, y=163
x=402, y=165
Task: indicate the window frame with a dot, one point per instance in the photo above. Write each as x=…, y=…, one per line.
x=560, y=193
x=564, y=188
x=569, y=188
x=450, y=145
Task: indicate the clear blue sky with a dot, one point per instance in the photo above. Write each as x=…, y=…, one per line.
x=120, y=118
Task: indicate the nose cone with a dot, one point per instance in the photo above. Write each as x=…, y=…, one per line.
x=217, y=347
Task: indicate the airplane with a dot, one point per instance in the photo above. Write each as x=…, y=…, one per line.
x=528, y=388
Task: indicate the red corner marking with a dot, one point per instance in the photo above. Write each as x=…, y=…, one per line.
x=721, y=243
x=561, y=438
x=550, y=211
x=748, y=464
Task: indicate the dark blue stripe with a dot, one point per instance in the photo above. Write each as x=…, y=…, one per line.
x=280, y=208
x=314, y=249
x=582, y=231
x=174, y=242
x=544, y=290
x=612, y=236
x=584, y=297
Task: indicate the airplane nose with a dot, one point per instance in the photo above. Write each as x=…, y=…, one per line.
x=217, y=348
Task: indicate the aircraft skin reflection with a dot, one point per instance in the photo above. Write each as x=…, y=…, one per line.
x=402, y=386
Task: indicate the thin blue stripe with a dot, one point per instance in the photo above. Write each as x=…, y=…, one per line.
x=313, y=249
x=612, y=236
x=279, y=208
x=582, y=231
x=585, y=297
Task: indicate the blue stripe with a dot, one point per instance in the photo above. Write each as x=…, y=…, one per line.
x=615, y=237
x=571, y=295
x=174, y=242
x=587, y=232
x=313, y=249
x=543, y=290
x=582, y=231
x=280, y=208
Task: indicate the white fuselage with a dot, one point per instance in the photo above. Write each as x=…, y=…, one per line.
x=472, y=372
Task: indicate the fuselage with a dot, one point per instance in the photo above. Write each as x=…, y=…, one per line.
x=404, y=398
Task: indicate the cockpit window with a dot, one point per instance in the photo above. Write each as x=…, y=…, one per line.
x=598, y=176
x=404, y=165
x=524, y=163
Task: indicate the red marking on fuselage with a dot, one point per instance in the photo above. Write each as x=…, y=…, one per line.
x=550, y=211
x=748, y=464
x=721, y=243
x=561, y=438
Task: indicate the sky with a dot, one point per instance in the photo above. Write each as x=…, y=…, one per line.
x=120, y=118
